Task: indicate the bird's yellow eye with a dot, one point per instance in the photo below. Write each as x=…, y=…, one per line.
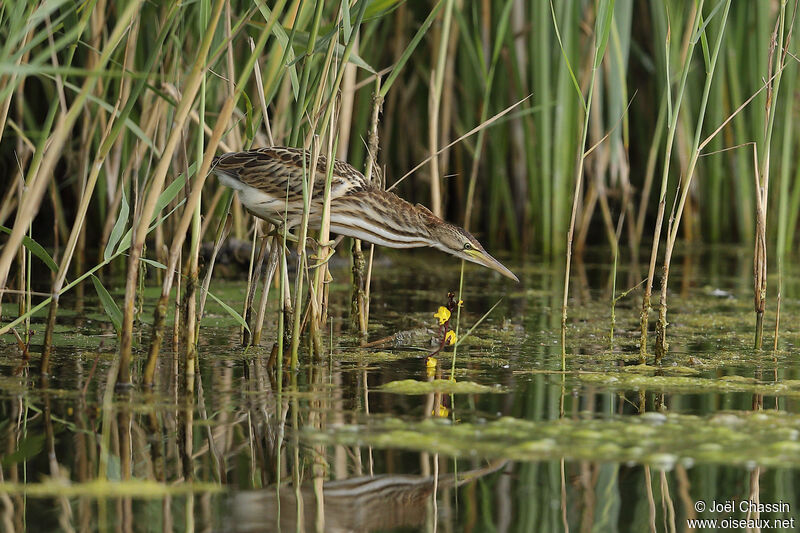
x=467, y=246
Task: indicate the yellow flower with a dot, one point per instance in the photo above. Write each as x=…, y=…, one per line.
x=443, y=411
x=443, y=314
x=450, y=338
x=431, y=362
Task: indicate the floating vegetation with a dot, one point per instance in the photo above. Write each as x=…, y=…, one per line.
x=784, y=388
x=661, y=440
x=139, y=489
x=446, y=386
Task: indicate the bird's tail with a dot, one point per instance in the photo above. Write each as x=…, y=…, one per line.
x=227, y=175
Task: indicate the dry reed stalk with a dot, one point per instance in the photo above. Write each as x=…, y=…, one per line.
x=324, y=250
x=346, y=107
x=302, y=264
x=358, y=304
x=80, y=246
x=18, y=184
x=371, y=174
x=180, y=236
x=189, y=324
x=688, y=49
x=318, y=302
x=261, y=98
x=328, y=121
x=193, y=83
x=234, y=134
x=182, y=227
x=311, y=143
x=760, y=246
x=762, y=177
x=434, y=106
x=148, y=379
x=338, y=144
x=683, y=191
x=191, y=321
x=587, y=107
x=206, y=128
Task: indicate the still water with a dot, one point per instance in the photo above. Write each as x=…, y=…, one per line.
x=377, y=440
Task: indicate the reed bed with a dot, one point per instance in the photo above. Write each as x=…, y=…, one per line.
x=614, y=123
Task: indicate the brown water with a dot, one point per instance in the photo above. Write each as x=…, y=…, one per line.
x=348, y=443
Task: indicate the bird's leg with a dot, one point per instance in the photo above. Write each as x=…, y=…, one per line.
x=279, y=243
x=272, y=264
x=251, y=293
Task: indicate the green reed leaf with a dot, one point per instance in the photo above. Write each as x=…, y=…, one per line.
x=36, y=249
x=109, y=305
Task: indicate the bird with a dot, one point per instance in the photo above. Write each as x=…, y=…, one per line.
x=269, y=184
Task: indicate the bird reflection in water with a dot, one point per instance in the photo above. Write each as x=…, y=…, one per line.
x=366, y=503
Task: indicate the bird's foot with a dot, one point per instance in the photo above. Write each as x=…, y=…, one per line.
x=320, y=260
x=311, y=242
x=280, y=231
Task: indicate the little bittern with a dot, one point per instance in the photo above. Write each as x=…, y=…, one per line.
x=269, y=183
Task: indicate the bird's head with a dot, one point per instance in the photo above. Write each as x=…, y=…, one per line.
x=460, y=243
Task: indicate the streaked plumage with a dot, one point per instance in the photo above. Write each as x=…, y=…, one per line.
x=365, y=503
x=269, y=185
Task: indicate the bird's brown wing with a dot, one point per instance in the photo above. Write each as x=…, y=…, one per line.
x=279, y=171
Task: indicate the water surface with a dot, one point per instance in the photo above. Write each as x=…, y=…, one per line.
x=375, y=440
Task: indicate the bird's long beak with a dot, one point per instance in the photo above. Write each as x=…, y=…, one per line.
x=483, y=258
